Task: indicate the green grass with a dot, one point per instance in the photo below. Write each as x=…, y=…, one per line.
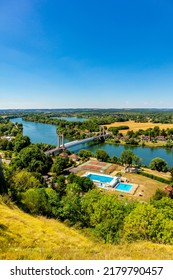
x=26, y=237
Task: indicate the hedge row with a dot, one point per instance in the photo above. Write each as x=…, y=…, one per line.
x=152, y=176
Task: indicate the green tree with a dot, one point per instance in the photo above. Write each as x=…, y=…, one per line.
x=159, y=194
x=53, y=201
x=126, y=157
x=70, y=205
x=156, y=130
x=85, y=154
x=21, y=142
x=33, y=159
x=21, y=182
x=137, y=223
x=35, y=202
x=60, y=185
x=3, y=144
x=86, y=184
x=60, y=164
x=114, y=159
x=83, y=182
x=108, y=218
x=136, y=160
x=87, y=206
x=3, y=184
x=102, y=155
x=158, y=164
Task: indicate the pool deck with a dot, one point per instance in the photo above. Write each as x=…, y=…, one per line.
x=107, y=186
x=132, y=191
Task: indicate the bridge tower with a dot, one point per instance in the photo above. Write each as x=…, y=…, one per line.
x=61, y=141
x=102, y=130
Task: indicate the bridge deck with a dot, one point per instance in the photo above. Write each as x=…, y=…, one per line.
x=74, y=143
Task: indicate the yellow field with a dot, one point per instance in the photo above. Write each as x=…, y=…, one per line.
x=25, y=237
x=136, y=126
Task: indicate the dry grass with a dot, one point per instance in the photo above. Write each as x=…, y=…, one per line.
x=25, y=237
x=146, y=189
x=136, y=126
x=147, y=186
x=166, y=175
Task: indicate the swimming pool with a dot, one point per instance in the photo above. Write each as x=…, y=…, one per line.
x=124, y=187
x=99, y=178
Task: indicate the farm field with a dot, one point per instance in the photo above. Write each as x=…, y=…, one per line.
x=136, y=126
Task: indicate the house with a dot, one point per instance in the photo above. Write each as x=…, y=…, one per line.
x=132, y=169
x=146, y=138
x=161, y=138
x=63, y=155
x=74, y=157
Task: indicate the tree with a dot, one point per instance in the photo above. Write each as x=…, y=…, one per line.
x=126, y=157
x=87, y=205
x=137, y=223
x=60, y=185
x=70, y=205
x=86, y=184
x=102, y=155
x=158, y=164
x=85, y=154
x=21, y=142
x=159, y=194
x=21, y=182
x=33, y=159
x=60, y=164
x=3, y=185
x=83, y=182
x=156, y=130
x=35, y=202
x=53, y=201
x=107, y=217
x=136, y=160
x=3, y=144
x=114, y=159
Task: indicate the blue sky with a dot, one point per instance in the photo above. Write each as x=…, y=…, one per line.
x=86, y=53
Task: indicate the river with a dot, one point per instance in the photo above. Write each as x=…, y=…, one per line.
x=46, y=133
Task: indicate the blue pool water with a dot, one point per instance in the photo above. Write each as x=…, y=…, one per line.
x=100, y=178
x=123, y=187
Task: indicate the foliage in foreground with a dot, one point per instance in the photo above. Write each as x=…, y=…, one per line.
x=23, y=237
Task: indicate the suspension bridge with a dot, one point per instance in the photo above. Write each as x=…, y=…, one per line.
x=64, y=146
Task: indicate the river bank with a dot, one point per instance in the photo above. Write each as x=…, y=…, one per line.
x=150, y=144
x=46, y=133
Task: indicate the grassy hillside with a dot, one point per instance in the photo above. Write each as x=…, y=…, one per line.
x=25, y=237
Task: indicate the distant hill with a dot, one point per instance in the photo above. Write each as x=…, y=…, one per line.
x=26, y=237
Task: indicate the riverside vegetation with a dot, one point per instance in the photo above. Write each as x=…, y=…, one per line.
x=133, y=127
x=74, y=202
